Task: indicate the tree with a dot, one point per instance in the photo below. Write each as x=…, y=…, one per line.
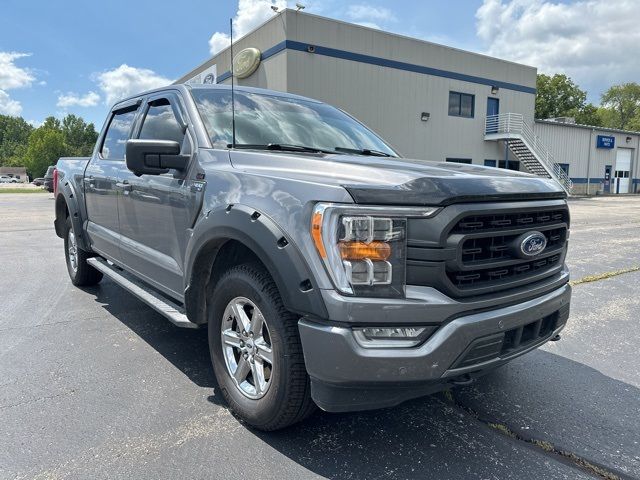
x=623, y=101
x=588, y=115
x=45, y=146
x=79, y=136
x=14, y=135
x=558, y=96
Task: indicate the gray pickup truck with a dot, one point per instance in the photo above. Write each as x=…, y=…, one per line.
x=328, y=270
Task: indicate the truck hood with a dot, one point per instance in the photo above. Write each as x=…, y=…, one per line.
x=401, y=181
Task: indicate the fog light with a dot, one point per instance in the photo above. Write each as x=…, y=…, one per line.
x=396, y=337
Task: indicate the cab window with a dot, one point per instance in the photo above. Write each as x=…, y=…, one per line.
x=160, y=123
x=115, y=140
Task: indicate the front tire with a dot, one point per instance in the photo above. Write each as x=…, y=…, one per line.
x=256, y=351
x=81, y=273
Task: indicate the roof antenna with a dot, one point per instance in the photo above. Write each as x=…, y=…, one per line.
x=233, y=99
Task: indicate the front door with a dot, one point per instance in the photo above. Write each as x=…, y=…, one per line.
x=100, y=183
x=493, y=108
x=622, y=171
x=157, y=210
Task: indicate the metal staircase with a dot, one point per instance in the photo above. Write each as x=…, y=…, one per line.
x=526, y=146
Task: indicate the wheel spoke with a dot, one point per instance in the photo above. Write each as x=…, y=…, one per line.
x=231, y=338
x=256, y=323
x=241, y=316
x=242, y=371
x=257, y=370
x=264, y=352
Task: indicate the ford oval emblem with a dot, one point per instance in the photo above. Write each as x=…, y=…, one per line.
x=532, y=244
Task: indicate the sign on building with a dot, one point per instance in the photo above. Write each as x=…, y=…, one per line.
x=605, y=141
x=208, y=75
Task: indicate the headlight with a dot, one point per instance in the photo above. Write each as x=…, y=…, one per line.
x=364, y=248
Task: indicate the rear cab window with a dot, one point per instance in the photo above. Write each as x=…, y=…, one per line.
x=118, y=131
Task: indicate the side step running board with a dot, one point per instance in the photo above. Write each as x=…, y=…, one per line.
x=166, y=307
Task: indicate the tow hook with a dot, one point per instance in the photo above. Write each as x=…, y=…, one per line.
x=465, y=379
x=556, y=338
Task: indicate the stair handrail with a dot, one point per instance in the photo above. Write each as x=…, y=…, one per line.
x=513, y=123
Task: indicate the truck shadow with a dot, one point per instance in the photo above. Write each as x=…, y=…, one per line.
x=540, y=395
x=187, y=349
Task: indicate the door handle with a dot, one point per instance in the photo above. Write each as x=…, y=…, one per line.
x=89, y=181
x=124, y=185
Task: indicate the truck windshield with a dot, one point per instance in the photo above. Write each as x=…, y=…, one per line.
x=268, y=120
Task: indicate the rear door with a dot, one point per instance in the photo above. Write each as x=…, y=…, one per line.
x=100, y=183
x=156, y=211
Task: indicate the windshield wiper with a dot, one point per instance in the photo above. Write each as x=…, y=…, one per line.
x=285, y=147
x=363, y=151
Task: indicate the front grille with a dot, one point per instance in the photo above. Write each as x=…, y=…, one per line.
x=482, y=249
x=472, y=250
x=504, y=345
x=491, y=276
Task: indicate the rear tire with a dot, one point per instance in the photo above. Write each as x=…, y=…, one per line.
x=81, y=273
x=282, y=395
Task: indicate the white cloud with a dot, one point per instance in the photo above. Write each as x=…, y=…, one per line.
x=9, y=106
x=364, y=13
x=12, y=76
x=124, y=81
x=593, y=41
x=71, y=99
x=218, y=42
x=250, y=14
x=370, y=25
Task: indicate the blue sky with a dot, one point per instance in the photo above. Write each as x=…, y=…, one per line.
x=76, y=56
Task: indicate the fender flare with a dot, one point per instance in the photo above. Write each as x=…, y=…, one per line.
x=259, y=233
x=67, y=190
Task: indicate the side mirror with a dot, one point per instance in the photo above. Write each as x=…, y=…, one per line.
x=153, y=157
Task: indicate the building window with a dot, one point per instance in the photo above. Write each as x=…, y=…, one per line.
x=459, y=160
x=512, y=165
x=489, y=163
x=461, y=104
x=565, y=167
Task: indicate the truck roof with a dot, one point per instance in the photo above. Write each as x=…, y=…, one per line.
x=186, y=87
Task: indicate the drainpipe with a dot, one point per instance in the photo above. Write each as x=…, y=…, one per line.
x=589, y=160
x=506, y=156
x=632, y=167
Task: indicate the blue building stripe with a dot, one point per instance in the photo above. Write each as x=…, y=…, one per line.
x=384, y=62
x=582, y=180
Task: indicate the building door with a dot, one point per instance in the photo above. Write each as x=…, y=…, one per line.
x=622, y=171
x=493, y=108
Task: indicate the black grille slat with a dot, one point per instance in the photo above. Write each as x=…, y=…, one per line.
x=474, y=223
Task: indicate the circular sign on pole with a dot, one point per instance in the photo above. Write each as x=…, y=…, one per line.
x=246, y=62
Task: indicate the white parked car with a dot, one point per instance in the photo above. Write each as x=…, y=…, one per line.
x=7, y=179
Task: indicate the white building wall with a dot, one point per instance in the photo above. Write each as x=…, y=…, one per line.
x=389, y=100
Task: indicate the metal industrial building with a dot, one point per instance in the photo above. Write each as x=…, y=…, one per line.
x=598, y=160
x=429, y=101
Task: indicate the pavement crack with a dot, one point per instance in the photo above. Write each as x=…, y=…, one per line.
x=567, y=457
x=39, y=399
x=604, y=276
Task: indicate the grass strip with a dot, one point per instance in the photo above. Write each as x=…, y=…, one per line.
x=23, y=190
x=603, y=276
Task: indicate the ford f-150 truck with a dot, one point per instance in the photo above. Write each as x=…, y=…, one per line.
x=328, y=270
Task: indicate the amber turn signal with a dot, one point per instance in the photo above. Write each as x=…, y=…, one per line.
x=374, y=251
x=316, y=234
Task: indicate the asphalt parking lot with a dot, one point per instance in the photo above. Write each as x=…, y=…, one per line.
x=94, y=384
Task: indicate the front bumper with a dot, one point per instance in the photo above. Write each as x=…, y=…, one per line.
x=347, y=377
